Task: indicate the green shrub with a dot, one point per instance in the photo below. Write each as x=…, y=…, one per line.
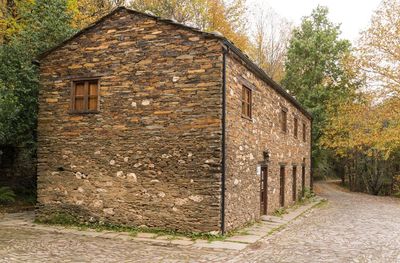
x=60, y=219
x=6, y=195
x=308, y=193
x=280, y=212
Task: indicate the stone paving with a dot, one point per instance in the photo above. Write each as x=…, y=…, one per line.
x=351, y=227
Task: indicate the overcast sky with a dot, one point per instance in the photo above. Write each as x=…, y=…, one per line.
x=354, y=15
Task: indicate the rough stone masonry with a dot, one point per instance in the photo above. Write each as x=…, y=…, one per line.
x=152, y=153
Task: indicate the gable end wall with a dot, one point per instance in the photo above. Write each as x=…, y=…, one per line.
x=152, y=155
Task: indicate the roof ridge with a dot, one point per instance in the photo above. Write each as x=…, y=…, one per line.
x=255, y=68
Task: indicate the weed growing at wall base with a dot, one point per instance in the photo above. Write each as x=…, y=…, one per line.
x=65, y=219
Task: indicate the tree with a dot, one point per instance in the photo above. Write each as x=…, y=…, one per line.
x=315, y=71
x=379, y=52
x=11, y=21
x=364, y=130
x=45, y=24
x=208, y=15
x=365, y=134
x=269, y=44
x=86, y=12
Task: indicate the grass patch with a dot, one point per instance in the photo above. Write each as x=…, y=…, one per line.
x=133, y=233
x=303, y=199
x=241, y=232
x=276, y=229
x=397, y=195
x=280, y=212
x=321, y=203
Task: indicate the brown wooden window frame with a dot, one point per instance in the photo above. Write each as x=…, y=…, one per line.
x=284, y=120
x=247, y=102
x=86, y=96
x=295, y=127
x=304, y=132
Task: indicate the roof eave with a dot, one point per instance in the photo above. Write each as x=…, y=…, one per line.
x=260, y=73
x=250, y=64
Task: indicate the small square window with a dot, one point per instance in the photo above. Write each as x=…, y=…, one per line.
x=246, y=102
x=284, y=120
x=85, y=96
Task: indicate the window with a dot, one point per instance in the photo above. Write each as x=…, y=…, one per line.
x=304, y=132
x=85, y=96
x=284, y=120
x=295, y=128
x=246, y=102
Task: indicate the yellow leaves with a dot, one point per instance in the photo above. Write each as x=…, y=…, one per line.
x=379, y=50
x=218, y=20
x=10, y=17
x=209, y=15
x=362, y=126
x=269, y=47
x=86, y=12
x=372, y=123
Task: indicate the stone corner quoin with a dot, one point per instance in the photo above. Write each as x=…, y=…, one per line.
x=151, y=153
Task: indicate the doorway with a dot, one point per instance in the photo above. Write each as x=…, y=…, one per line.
x=294, y=183
x=303, y=180
x=264, y=190
x=282, y=186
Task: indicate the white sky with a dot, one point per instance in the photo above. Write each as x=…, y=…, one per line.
x=354, y=15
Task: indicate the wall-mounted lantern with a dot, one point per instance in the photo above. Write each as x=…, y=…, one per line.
x=266, y=156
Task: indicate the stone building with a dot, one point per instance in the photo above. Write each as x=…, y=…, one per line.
x=144, y=121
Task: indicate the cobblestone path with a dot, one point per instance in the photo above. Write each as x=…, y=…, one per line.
x=351, y=227
x=31, y=245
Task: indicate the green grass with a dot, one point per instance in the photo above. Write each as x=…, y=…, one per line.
x=241, y=232
x=280, y=212
x=276, y=229
x=67, y=220
x=321, y=203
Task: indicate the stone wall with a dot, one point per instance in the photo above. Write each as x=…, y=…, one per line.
x=247, y=139
x=152, y=155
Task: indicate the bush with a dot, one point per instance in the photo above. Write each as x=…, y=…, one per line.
x=61, y=218
x=6, y=195
x=280, y=212
x=308, y=193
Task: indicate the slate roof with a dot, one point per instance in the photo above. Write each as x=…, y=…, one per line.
x=230, y=45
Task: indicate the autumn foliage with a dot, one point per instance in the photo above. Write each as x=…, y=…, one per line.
x=364, y=131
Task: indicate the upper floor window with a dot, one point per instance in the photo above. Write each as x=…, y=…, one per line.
x=246, y=102
x=85, y=96
x=304, y=132
x=296, y=127
x=284, y=120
